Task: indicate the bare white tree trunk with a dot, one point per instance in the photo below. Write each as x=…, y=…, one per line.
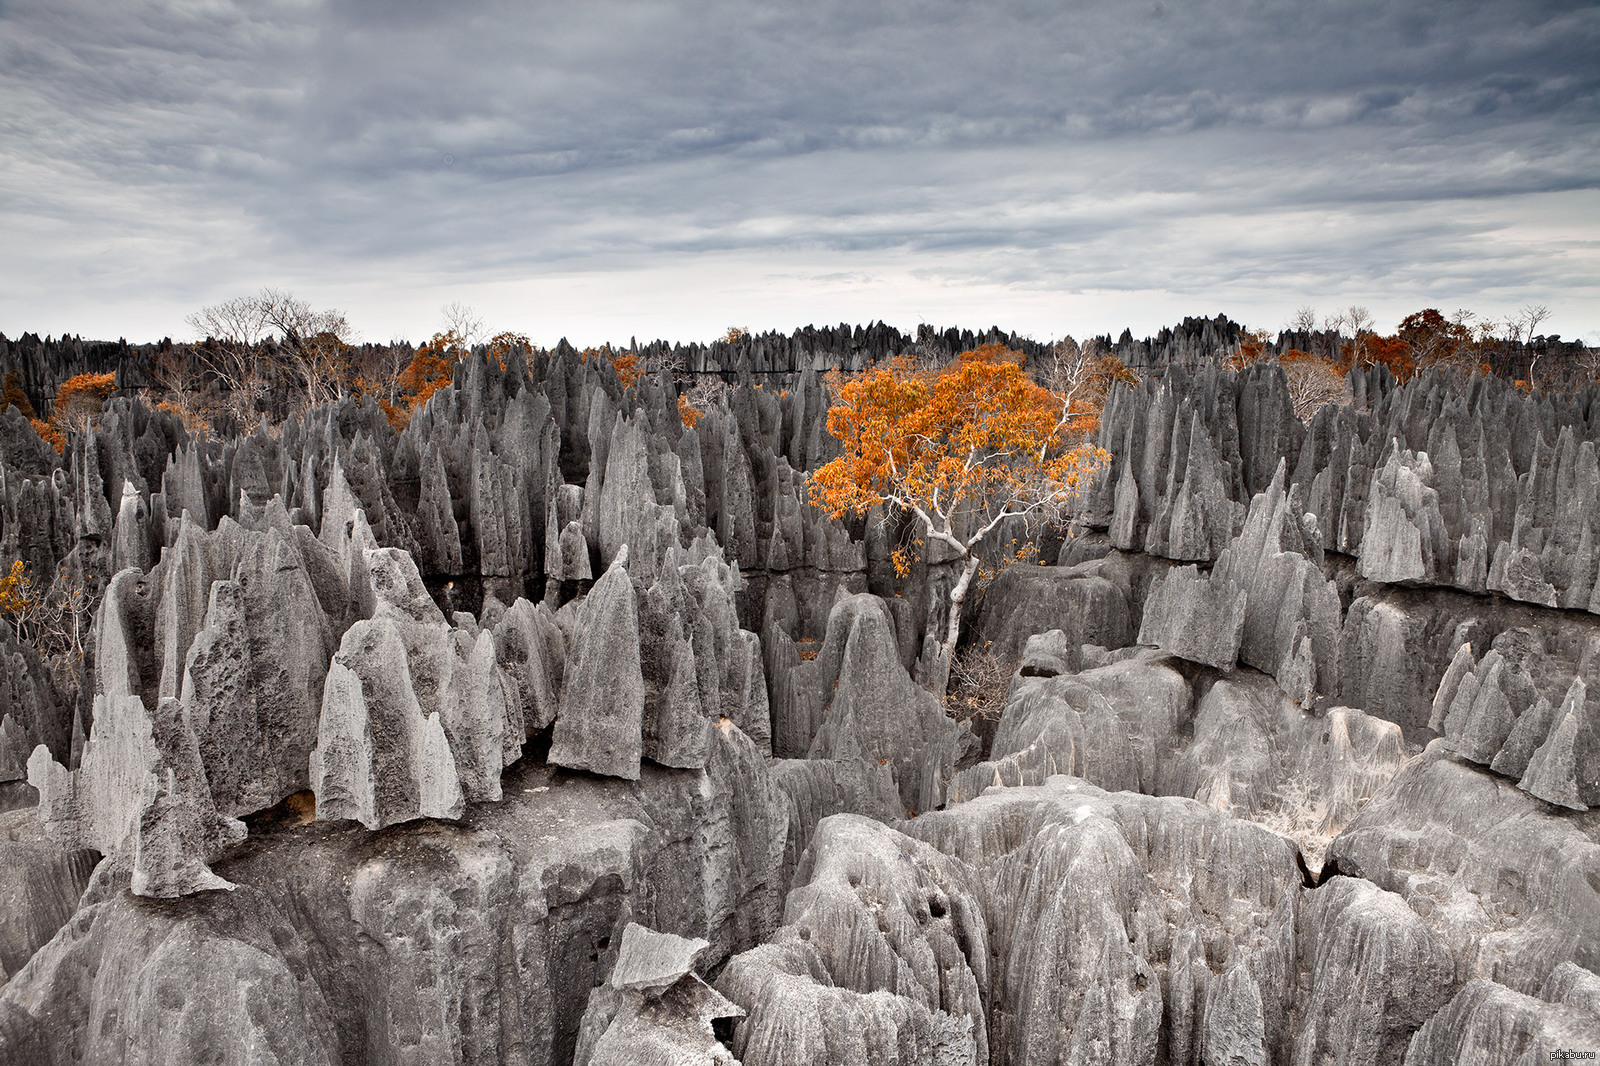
x=958, y=597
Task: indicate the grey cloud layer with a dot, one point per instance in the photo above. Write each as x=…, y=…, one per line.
x=1048, y=139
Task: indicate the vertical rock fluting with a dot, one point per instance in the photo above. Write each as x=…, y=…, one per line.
x=271, y=628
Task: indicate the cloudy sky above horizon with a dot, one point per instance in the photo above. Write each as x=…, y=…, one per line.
x=666, y=169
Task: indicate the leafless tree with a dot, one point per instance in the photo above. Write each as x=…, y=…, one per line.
x=464, y=322
x=1521, y=328
x=229, y=349
x=312, y=349
x=1304, y=320
x=1314, y=382
x=707, y=393
x=314, y=345
x=1066, y=366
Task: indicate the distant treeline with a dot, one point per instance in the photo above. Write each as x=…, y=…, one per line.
x=39, y=365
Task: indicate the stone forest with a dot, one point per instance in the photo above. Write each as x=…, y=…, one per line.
x=651, y=705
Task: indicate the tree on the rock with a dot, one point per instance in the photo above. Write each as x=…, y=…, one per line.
x=962, y=448
x=16, y=396
x=1083, y=377
x=1253, y=346
x=626, y=365
x=54, y=620
x=431, y=369
x=312, y=353
x=1314, y=382
x=77, y=404
x=314, y=346
x=507, y=345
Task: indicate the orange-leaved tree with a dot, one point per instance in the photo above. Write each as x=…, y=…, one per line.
x=77, y=404
x=962, y=448
x=624, y=362
x=508, y=345
x=431, y=369
x=687, y=412
x=1253, y=346
x=626, y=365
x=1371, y=349
x=16, y=396
x=1083, y=378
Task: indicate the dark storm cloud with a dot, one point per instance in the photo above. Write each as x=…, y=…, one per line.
x=1059, y=140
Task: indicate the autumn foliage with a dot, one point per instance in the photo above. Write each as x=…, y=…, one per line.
x=962, y=448
x=627, y=368
x=687, y=412
x=507, y=345
x=16, y=396
x=431, y=369
x=78, y=403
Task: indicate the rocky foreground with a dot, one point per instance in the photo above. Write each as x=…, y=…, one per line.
x=554, y=730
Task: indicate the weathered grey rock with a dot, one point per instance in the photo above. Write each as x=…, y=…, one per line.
x=599, y=727
x=682, y=696
x=1447, y=835
x=218, y=978
x=98, y=804
x=480, y=940
x=813, y=789
x=1235, y=762
x=870, y=966
x=1565, y=770
x=1530, y=731
x=654, y=1008
x=1026, y=599
x=131, y=539
x=627, y=499
x=1393, y=649
x=124, y=660
x=141, y=791
x=187, y=570
x=1196, y=517
x=1377, y=974
x=531, y=649
x=33, y=710
x=1399, y=504
x=1195, y=618
x=1292, y=614
x=1047, y=655
x=1232, y=1027
x=795, y=1016
x=1088, y=951
x=40, y=883
x=1574, y=986
x=438, y=536
x=888, y=913
x=1118, y=726
x=379, y=759
x=873, y=710
x=1479, y=728
x=253, y=675
x=180, y=828
x=21, y=448
x=1345, y=757
x=1487, y=1023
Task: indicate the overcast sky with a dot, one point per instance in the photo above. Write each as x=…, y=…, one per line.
x=666, y=169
